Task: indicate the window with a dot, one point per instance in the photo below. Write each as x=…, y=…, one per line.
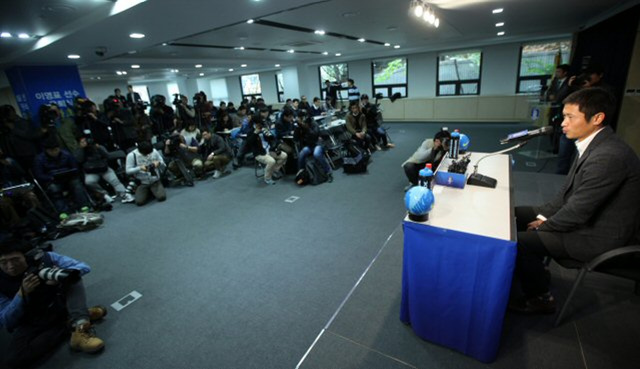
x=459, y=73
x=280, y=86
x=538, y=63
x=219, y=90
x=250, y=85
x=143, y=91
x=335, y=73
x=389, y=77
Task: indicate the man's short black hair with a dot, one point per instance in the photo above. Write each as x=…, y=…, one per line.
x=205, y=129
x=129, y=86
x=316, y=99
x=287, y=113
x=442, y=134
x=287, y=101
x=351, y=81
x=592, y=101
x=145, y=147
x=564, y=67
x=595, y=68
x=51, y=142
x=12, y=245
x=116, y=89
x=296, y=100
x=242, y=107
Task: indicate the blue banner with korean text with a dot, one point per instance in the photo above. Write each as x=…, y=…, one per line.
x=34, y=86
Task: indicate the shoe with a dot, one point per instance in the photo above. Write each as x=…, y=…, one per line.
x=97, y=313
x=378, y=148
x=542, y=304
x=84, y=209
x=269, y=181
x=226, y=170
x=127, y=198
x=84, y=339
x=108, y=199
x=329, y=177
x=217, y=174
x=277, y=175
x=390, y=146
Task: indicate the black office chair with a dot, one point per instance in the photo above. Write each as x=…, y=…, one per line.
x=621, y=262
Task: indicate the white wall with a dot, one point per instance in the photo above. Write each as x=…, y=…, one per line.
x=422, y=75
x=233, y=86
x=268, y=85
x=360, y=72
x=98, y=91
x=291, y=83
x=499, y=69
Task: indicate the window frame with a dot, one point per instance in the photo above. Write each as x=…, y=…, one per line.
x=458, y=84
x=322, y=88
x=390, y=87
x=543, y=78
x=249, y=96
x=279, y=92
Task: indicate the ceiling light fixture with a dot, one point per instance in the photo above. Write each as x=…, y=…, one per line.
x=118, y=73
x=277, y=65
x=319, y=32
x=291, y=51
x=387, y=44
x=325, y=53
x=23, y=35
x=497, y=11
x=501, y=33
x=239, y=48
x=230, y=69
x=6, y=35
x=338, y=54
x=201, y=74
x=198, y=65
x=243, y=65
x=135, y=66
x=137, y=35
x=361, y=40
x=422, y=9
x=73, y=56
x=250, y=21
x=164, y=44
x=125, y=73
x=396, y=47
x=500, y=24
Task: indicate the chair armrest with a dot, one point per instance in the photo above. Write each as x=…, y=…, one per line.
x=590, y=266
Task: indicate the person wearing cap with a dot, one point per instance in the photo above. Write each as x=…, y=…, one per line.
x=372, y=116
x=430, y=151
x=48, y=168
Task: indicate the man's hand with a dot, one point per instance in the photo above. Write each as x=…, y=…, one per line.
x=210, y=157
x=29, y=284
x=144, y=168
x=437, y=144
x=360, y=135
x=83, y=143
x=534, y=225
x=156, y=163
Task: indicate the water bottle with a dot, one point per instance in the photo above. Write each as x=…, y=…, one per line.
x=454, y=145
x=426, y=176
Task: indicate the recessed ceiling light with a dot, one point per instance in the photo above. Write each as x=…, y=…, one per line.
x=250, y=21
x=501, y=33
x=387, y=44
x=23, y=35
x=5, y=35
x=230, y=69
x=198, y=65
x=361, y=40
x=338, y=54
x=135, y=66
x=73, y=56
x=239, y=48
x=325, y=53
x=164, y=44
x=118, y=73
x=98, y=77
x=496, y=11
x=319, y=32
x=436, y=23
x=350, y=14
x=291, y=51
x=243, y=65
x=277, y=65
x=137, y=35
x=201, y=74
x=132, y=52
x=500, y=24
x=396, y=47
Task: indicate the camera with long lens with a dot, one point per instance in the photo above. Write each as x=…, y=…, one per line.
x=176, y=99
x=35, y=260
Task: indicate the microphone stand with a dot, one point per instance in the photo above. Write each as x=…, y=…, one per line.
x=477, y=179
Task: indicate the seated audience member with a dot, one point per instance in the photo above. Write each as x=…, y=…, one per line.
x=356, y=125
x=239, y=135
x=317, y=109
x=308, y=135
x=430, y=151
x=225, y=123
x=176, y=148
x=266, y=151
x=57, y=170
x=18, y=139
x=304, y=104
x=597, y=210
x=231, y=108
x=94, y=161
x=146, y=164
x=117, y=94
x=215, y=152
x=284, y=130
x=191, y=133
x=295, y=107
x=11, y=174
x=252, y=104
x=39, y=313
x=374, y=128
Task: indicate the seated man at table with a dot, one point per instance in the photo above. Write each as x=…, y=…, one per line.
x=308, y=135
x=215, y=152
x=597, y=210
x=430, y=151
x=317, y=109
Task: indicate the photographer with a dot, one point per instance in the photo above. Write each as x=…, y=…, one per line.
x=161, y=116
x=331, y=94
x=265, y=147
x=216, y=153
x=94, y=161
x=92, y=120
x=121, y=121
x=39, y=311
x=17, y=137
x=373, y=117
x=430, y=151
x=146, y=164
x=184, y=111
x=177, y=148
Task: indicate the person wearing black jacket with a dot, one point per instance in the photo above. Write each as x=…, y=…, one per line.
x=266, y=150
x=215, y=152
x=11, y=174
x=94, y=161
x=308, y=135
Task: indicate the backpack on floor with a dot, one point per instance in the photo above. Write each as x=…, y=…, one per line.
x=315, y=172
x=356, y=158
x=82, y=221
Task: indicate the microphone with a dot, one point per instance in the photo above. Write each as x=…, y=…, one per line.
x=527, y=135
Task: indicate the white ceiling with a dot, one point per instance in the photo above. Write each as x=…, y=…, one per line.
x=81, y=26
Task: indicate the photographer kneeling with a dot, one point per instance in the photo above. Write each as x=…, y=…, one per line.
x=145, y=163
x=41, y=296
x=430, y=151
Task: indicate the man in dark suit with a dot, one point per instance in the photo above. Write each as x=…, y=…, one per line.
x=331, y=95
x=557, y=92
x=132, y=97
x=597, y=210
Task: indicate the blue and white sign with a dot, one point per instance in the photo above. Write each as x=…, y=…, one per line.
x=535, y=113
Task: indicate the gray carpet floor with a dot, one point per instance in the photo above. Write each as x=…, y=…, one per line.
x=232, y=276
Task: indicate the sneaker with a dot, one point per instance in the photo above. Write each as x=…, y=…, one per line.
x=217, y=174
x=378, y=148
x=97, y=313
x=277, y=175
x=84, y=339
x=390, y=146
x=84, y=209
x=226, y=170
x=269, y=181
x=329, y=177
x=108, y=199
x=127, y=198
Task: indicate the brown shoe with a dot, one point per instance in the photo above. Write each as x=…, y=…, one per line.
x=533, y=305
x=390, y=146
x=97, y=313
x=84, y=339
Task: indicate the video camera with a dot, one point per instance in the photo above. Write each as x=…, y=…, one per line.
x=35, y=260
x=176, y=99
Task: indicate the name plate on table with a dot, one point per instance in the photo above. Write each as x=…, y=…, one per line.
x=456, y=180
